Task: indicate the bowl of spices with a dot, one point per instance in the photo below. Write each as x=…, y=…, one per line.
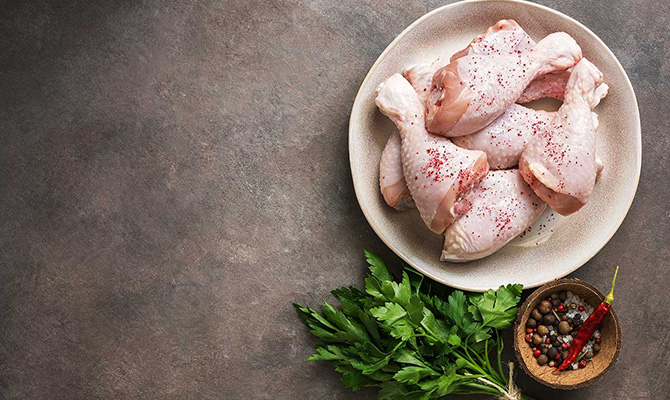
x=567, y=335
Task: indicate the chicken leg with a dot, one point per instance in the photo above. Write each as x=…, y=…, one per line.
x=505, y=37
x=560, y=163
x=474, y=90
x=439, y=174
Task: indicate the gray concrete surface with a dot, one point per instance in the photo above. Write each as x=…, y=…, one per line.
x=175, y=173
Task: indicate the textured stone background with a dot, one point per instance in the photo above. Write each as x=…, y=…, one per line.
x=175, y=173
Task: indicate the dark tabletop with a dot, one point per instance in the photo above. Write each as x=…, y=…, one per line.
x=175, y=173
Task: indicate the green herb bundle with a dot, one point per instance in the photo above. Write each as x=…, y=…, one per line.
x=410, y=343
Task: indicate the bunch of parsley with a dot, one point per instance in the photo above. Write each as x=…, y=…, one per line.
x=410, y=343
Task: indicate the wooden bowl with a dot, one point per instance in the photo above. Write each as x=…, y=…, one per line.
x=569, y=379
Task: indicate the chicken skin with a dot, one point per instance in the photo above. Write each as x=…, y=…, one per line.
x=504, y=37
x=439, y=174
x=560, y=163
x=391, y=179
x=504, y=139
x=474, y=90
x=503, y=207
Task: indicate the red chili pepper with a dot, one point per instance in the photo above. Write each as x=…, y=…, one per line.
x=592, y=323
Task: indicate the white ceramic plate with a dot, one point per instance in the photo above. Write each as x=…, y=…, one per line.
x=532, y=260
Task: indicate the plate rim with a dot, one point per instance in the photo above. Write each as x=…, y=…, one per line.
x=355, y=111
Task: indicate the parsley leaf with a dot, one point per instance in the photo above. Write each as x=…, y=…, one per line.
x=498, y=309
x=413, y=374
x=377, y=267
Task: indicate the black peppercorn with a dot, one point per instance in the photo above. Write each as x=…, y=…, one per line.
x=551, y=353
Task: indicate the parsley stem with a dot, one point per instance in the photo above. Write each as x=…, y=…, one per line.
x=485, y=388
x=473, y=365
x=487, y=362
x=499, y=348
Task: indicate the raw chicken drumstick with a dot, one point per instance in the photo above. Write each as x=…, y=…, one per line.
x=559, y=163
x=474, y=90
x=440, y=175
x=504, y=206
x=505, y=37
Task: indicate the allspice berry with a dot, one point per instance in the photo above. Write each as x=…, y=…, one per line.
x=537, y=339
x=548, y=319
x=536, y=314
x=596, y=348
x=562, y=295
x=588, y=355
x=542, y=359
x=564, y=327
x=542, y=330
x=531, y=323
x=544, y=307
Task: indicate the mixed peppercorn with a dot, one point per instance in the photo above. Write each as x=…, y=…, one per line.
x=552, y=327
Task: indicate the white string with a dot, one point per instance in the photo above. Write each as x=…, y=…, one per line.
x=512, y=392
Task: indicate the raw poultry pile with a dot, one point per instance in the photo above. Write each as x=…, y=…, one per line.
x=480, y=167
